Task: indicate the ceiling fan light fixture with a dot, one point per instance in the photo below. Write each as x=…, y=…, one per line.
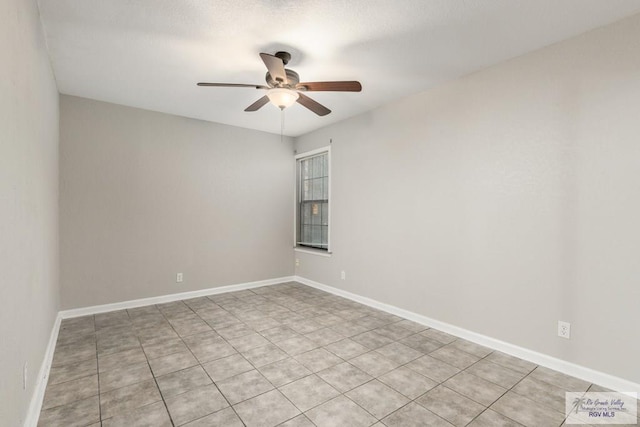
x=282, y=97
x=283, y=86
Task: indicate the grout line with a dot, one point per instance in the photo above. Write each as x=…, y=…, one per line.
x=289, y=356
x=199, y=362
x=153, y=374
x=257, y=370
x=486, y=407
x=138, y=382
x=98, y=371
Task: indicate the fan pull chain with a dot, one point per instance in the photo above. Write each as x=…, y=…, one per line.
x=281, y=125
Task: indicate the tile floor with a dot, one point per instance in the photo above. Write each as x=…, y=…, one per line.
x=287, y=355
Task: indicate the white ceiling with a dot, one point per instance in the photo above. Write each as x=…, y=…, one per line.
x=150, y=53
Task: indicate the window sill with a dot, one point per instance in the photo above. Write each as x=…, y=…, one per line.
x=312, y=251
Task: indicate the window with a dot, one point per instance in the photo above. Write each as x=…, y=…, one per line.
x=312, y=204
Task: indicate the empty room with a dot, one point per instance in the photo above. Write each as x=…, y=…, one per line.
x=319, y=213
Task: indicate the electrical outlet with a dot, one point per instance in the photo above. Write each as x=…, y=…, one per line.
x=297, y=262
x=179, y=278
x=564, y=329
x=343, y=275
x=24, y=376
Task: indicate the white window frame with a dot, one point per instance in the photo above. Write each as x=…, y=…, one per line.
x=296, y=203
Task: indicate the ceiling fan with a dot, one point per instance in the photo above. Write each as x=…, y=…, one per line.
x=284, y=87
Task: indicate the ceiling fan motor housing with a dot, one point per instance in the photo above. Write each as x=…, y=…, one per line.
x=292, y=79
x=285, y=56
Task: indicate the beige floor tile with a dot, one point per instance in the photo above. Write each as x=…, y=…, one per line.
x=377, y=398
x=284, y=371
x=264, y=355
x=526, y=411
x=124, y=376
x=73, y=371
x=244, y=386
x=182, y=381
x=511, y=362
x=454, y=357
x=408, y=382
x=266, y=410
x=318, y=359
x=475, y=388
x=340, y=411
x=195, y=403
x=119, y=360
x=433, y=368
x=70, y=391
x=172, y=362
x=153, y=415
x=309, y=392
x=224, y=418
x=344, y=376
x=414, y=415
x=495, y=373
x=374, y=363
x=128, y=398
x=453, y=407
x=227, y=367
x=491, y=418
x=76, y=414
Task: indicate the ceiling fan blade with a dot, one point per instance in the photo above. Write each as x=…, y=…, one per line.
x=232, y=85
x=275, y=67
x=312, y=105
x=348, y=86
x=258, y=104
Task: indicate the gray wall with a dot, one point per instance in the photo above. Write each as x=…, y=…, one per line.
x=503, y=201
x=146, y=195
x=28, y=204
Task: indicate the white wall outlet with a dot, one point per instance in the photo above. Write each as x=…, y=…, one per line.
x=564, y=329
x=343, y=275
x=24, y=376
x=297, y=262
x=179, y=278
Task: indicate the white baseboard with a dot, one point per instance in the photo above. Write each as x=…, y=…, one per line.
x=596, y=377
x=43, y=377
x=103, y=308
